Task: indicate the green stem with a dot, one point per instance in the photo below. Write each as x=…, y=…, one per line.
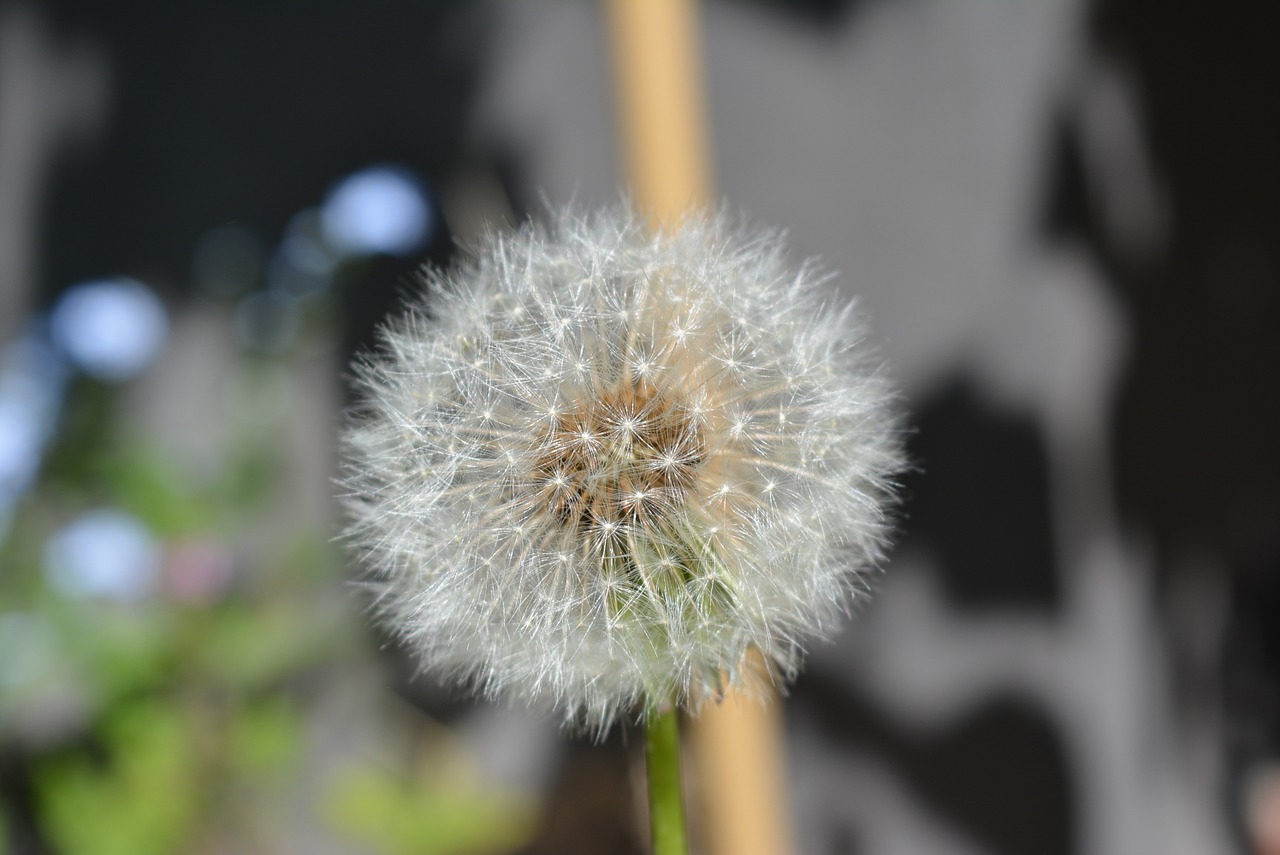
x=666, y=804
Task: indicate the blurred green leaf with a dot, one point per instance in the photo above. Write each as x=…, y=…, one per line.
x=251, y=647
x=248, y=478
x=264, y=738
x=121, y=652
x=399, y=817
x=143, y=801
x=156, y=492
x=306, y=559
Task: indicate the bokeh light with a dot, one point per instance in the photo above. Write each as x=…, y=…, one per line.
x=106, y=554
x=198, y=571
x=110, y=328
x=381, y=209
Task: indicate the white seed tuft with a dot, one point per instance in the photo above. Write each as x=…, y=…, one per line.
x=595, y=466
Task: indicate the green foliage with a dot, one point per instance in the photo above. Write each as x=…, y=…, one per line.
x=155, y=491
x=249, y=646
x=119, y=653
x=184, y=717
x=143, y=802
x=263, y=740
x=426, y=816
x=163, y=772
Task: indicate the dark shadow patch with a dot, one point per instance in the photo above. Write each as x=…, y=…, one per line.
x=999, y=773
x=980, y=502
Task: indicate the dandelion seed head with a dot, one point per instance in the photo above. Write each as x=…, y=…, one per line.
x=595, y=466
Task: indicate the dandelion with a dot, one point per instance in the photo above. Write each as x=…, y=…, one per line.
x=596, y=466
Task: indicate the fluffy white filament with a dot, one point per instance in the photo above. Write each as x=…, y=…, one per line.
x=597, y=465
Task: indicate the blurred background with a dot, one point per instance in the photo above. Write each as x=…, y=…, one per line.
x=1062, y=216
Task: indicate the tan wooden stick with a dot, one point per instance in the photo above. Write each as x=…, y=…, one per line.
x=662, y=124
x=738, y=770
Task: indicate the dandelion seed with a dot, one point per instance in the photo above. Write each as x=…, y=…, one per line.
x=596, y=466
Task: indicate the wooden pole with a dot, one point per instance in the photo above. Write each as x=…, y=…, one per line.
x=662, y=124
x=738, y=768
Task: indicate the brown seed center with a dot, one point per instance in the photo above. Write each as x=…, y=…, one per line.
x=623, y=457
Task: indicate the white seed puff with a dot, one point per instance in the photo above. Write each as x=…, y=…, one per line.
x=594, y=466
